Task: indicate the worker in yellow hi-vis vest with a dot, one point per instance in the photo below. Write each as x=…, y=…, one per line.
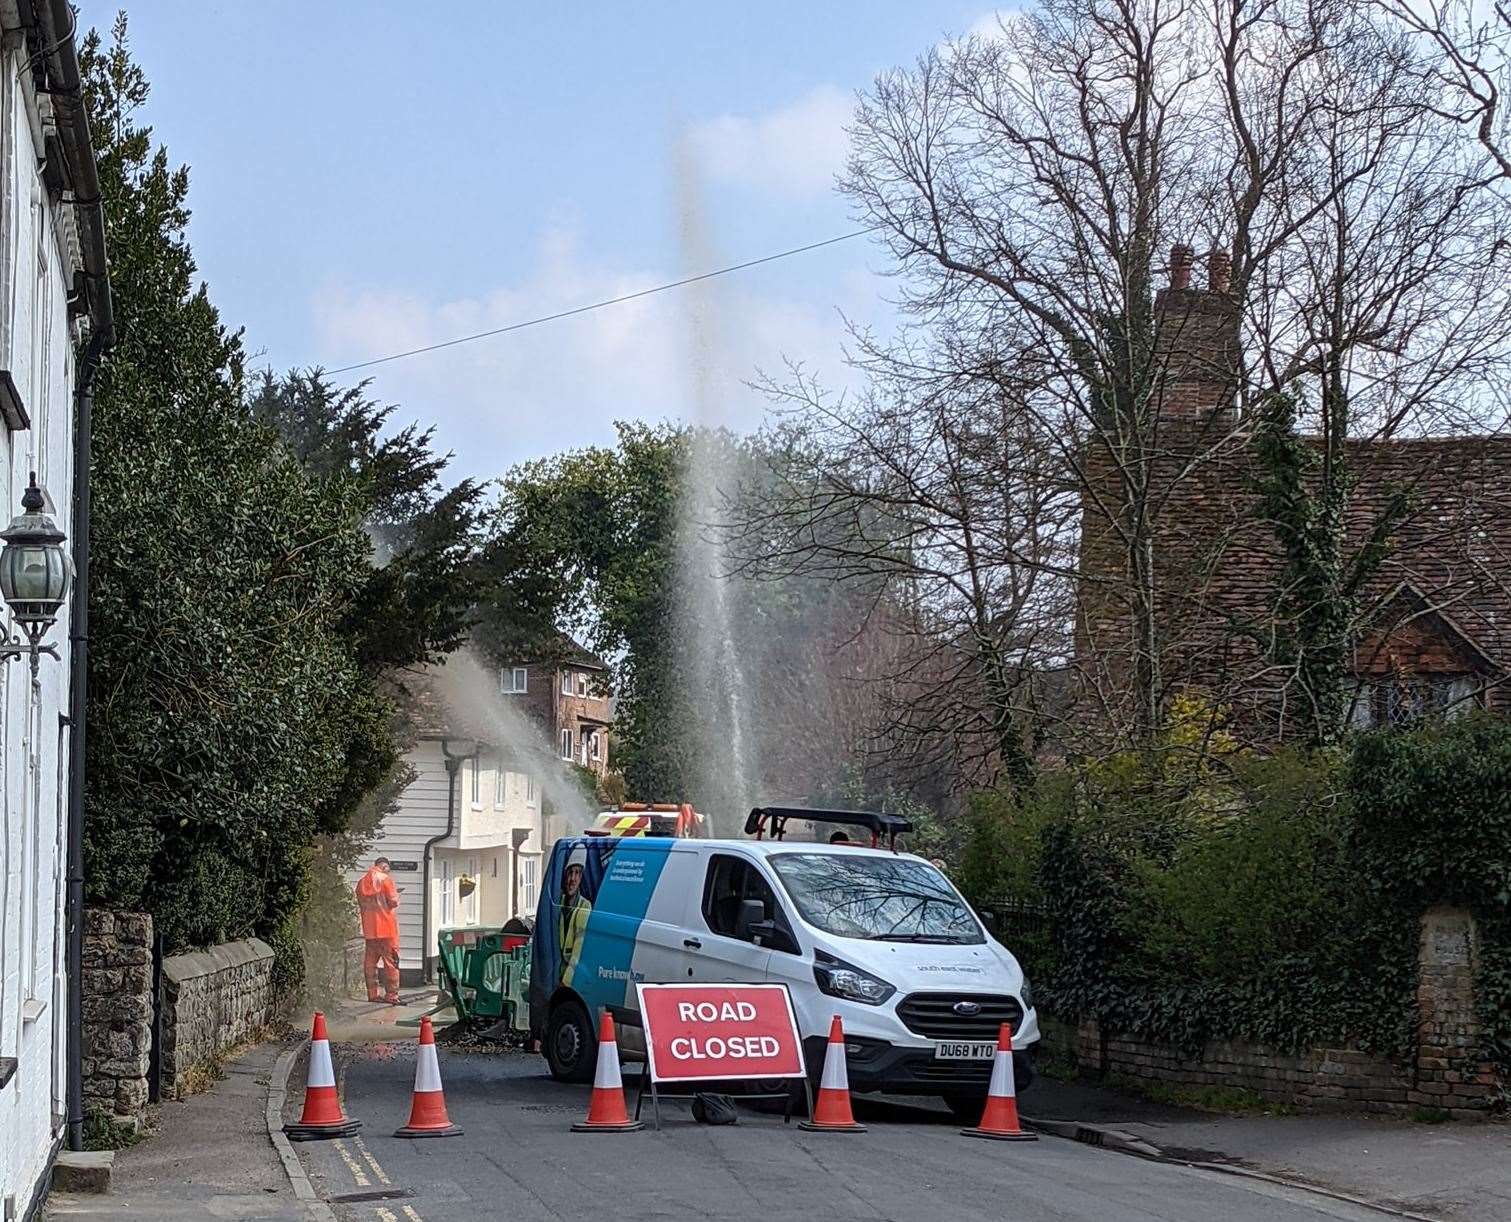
x=572, y=919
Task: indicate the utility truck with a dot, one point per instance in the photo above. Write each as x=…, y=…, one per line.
x=879, y=937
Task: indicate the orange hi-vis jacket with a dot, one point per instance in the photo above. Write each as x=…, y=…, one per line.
x=377, y=900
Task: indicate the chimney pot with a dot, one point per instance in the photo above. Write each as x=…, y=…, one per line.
x=1181, y=258
x=1219, y=270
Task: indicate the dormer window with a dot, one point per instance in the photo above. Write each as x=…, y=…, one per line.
x=1400, y=700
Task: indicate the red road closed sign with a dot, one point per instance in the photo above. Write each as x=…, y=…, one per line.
x=701, y=1032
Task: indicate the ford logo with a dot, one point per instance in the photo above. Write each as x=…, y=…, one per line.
x=966, y=1008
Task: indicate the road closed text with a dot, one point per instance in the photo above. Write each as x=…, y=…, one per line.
x=720, y=1031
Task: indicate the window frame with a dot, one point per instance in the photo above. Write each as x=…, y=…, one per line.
x=566, y=746
x=566, y=682
x=778, y=911
x=518, y=680
x=500, y=784
x=595, y=749
x=1378, y=701
x=529, y=882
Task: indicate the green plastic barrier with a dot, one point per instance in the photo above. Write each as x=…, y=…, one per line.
x=487, y=983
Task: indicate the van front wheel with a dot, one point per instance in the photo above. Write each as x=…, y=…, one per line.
x=571, y=1047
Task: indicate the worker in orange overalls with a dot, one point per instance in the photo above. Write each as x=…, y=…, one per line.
x=378, y=902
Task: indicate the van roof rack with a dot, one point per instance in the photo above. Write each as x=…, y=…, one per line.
x=875, y=822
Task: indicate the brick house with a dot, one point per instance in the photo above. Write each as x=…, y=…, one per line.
x=1432, y=628
x=567, y=696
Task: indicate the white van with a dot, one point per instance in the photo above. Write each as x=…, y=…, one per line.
x=878, y=937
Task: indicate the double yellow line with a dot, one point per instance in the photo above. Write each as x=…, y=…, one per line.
x=359, y=1174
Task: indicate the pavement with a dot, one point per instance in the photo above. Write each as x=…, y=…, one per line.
x=214, y=1157
x=208, y=1158
x=1454, y=1171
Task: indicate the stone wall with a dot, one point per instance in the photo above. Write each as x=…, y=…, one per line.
x=212, y=1000
x=1445, y=1073
x=116, y=1000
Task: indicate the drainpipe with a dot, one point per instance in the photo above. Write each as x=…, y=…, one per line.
x=56, y=21
x=453, y=766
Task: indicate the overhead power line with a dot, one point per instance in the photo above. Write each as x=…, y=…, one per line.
x=598, y=305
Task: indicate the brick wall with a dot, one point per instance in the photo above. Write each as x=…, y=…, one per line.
x=1445, y=1072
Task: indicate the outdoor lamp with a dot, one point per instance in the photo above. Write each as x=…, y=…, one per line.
x=35, y=573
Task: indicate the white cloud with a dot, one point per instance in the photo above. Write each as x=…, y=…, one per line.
x=989, y=25
x=795, y=151
x=683, y=354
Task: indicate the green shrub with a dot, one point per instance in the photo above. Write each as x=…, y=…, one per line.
x=1274, y=899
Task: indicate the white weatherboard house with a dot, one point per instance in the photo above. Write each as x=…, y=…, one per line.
x=466, y=840
x=54, y=295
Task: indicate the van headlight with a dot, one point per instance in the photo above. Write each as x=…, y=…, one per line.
x=840, y=979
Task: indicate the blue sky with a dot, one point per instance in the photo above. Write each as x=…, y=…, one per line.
x=369, y=177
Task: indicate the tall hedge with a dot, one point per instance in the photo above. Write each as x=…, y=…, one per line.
x=226, y=703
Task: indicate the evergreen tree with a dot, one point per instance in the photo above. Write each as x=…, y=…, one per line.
x=231, y=717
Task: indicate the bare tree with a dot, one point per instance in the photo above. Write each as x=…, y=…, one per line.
x=1026, y=449
x=937, y=492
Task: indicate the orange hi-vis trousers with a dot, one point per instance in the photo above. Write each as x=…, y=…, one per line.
x=386, y=952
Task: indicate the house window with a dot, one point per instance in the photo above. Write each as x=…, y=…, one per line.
x=593, y=747
x=513, y=680
x=1402, y=700
x=582, y=684
x=566, y=683
x=566, y=744
x=448, y=894
x=476, y=782
x=532, y=790
x=529, y=873
x=500, y=786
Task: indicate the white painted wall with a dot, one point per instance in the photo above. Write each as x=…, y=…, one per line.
x=38, y=254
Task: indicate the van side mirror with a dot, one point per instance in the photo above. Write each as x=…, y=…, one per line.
x=773, y=936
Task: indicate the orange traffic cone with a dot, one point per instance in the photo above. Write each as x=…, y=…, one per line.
x=1000, y=1119
x=606, y=1110
x=322, y=1115
x=831, y=1113
x=427, y=1111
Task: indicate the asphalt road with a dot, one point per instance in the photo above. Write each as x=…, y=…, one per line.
x=517, y=1159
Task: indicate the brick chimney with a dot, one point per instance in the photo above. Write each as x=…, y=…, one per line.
x=1196, y=342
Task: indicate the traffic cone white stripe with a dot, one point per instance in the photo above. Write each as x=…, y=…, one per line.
x=321, y=1071
x=835, y=1077
x=427, y=1071
x=606, y=1076
x=1002, y=1075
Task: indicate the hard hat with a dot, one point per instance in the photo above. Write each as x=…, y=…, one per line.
x=577, y=857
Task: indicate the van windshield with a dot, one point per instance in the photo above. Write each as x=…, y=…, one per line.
x=891, y=899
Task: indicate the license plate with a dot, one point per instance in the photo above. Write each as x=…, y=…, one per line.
x=967, y=1050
